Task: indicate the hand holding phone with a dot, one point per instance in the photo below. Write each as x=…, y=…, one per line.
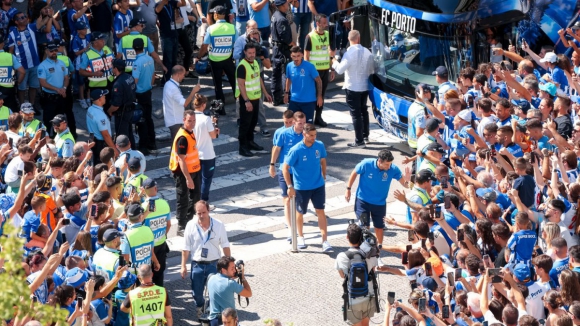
x=445, y=312
x=391, y=297
x=460, y=235
x=422, y=305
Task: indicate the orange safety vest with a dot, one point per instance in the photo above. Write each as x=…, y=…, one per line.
x=192, y=156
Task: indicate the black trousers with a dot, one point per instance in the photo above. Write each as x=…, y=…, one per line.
x=324, y=75
x=186, y=198
x=248, y=121
x=183, y=40
x=123, y=125
x=99, y=145
x=278, y=75
x=10, y=100
x=357, y=102
x=67, y=109
x=146, y=129
x=219, y=67
x=161, y=254
x=51, y=104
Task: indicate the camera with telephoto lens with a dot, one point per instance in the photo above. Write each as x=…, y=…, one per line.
x=239, y=268
x=215, y=106
x=369, y=244
x=257, y=45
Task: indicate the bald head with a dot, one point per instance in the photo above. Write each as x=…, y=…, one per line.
x=354, y=36
x=251, y=24
x=177, y=69
x=145, y=272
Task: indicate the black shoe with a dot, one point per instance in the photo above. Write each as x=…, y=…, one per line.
x=318, y=121
x=278, y=102
x=265, y=133
x=192, y=74
x=144, y=151
x=246, y=152
x=255, y=146
x=222, y=111
x=354, y=144
x=152, y=147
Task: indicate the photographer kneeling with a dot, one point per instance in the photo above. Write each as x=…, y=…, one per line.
x=223, y=286
x=205, y=130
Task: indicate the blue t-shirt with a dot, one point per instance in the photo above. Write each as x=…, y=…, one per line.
x=286, y=140
x=121, y=318
x=521, y=244
x=453, y=221
x=101, y=309
x=277, y=135
x=221, y=294
x=303, y=88
x=374, y=183
x=543, y=143
x=31, y=224
x=261, y=17
x=305, y=164
x=558, y=76
x=526, y=186
x=515, y=150
x=557, y=268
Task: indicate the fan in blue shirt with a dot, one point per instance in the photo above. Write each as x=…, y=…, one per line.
x=521, y=244
x=562, y=261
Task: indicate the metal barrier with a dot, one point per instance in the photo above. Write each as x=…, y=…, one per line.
x=293, y=224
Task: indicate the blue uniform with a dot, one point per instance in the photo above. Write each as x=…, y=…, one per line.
x=374, y=183
x=303, y=87
x=286, y=140
x=98, y=121
x=277, y=135
x=521, y=244
x=121, y=22
x=557, y=268
x=543, y=143
x=506, y=122
x=558, y=76
x=515, y=150
x=67, y=147
x=6, y=17
x=453, y=221
x=143, y=70
x=53, y=71
x=31, y=224
x=305, y=165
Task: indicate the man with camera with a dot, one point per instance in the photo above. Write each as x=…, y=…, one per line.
x=223, y=286
x=360, y=303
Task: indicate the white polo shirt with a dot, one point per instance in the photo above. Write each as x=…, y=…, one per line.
x=173, y=102
x=196, y=239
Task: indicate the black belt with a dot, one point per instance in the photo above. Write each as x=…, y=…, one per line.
x=205, y=262
x=47, y=94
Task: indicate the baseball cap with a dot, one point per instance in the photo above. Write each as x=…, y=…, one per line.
x=98, y=36
x=52, y=46
x=465, y=115
x=523, y=104
x=135, y=210
x=111, y=235
x=26, y=108
x=122, y=141
x=550, y=57
x=435, y=147
x=220, y=10
x=134, y=163
x=127, y=280
x=472, y=157
x=80, y=25
x=58, y=119
x=76, y=277
x=138, y=44
x=97, y=94
x=149, y=183
x=429, y=284
x=432, y=124
x=422, y=86
x=136, y=21
x=486, y=193
x=2, y=96
x=549, y=88
x=425, y=175
x=119, y=64
x=440, y=71
x=522, y=272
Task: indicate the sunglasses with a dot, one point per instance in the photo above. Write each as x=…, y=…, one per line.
x=23, y=17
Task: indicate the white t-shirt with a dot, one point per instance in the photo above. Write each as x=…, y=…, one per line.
x=11, y=173
x=534, y=303
x=14, y=136
x=441, y=244
x=132, y=153
x=341, y=263
x=203, y=126
x=492, y=119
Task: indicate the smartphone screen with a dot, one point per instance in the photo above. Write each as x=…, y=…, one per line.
x=413, y=284
x=457, y=274
x=422, y=303
x=494, y=274
x=152, y=205
x=411, y=235
x=80, y=302
x=539, y=251
x=94, y=211
x=423, y=243
x=42, y=133
x=445, y=312
x=91, y=137
x=460, y=235
x=20, y=173
x=404, y=258
x=127, y=157
x=428, y=269
x=431, y=237
x=487, y=261
x=444, y=181
x=409, y=247
x=121, y=261
x=66, y=221
x=391, y=297
x=451, y=278
x=485, y=323
x=447, y=201
x=10, y=142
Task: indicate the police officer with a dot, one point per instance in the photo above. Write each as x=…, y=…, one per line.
x=30, y=125
x=9, y=65
x=123, y=101
x=64, y=139
x=5, y=113
x=419, y=196
x=317, y=51
x=137, y=244
x=282, y=41
x=148, y=304
x=136, y=177
x=68, y=100
x=97, y=65
x=144, y=75
x=159, y=221
x=221, y=36
x=54, y=78
x=98, y=124
x=126, y=50
x=106, y=259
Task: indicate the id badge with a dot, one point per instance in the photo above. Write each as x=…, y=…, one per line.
x=204, y=252
x=172, y=26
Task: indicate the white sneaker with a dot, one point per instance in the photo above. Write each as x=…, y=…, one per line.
x=211, y=208
x=326, y=247
x=83, y=104
x=301, y=243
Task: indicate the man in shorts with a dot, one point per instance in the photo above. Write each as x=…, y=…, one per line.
x=307, y=159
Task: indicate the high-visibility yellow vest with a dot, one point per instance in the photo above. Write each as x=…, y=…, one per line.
x=221, y=37
x=129, y=53
x=140, y=241
x=252, y=80
x=98, y=63
x=6, y=70
x=30, y=129
x=148, y=305
x=104, y=262
x=59, y=141
x=157, y=221
x=319, y=55
x=192, y=156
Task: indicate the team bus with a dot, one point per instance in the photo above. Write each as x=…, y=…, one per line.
x=410, y=38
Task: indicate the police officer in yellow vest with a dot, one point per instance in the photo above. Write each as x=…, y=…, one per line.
x=9, y=65
x=5, y=113
x=64, y=140
x=148, y=304
x=249, y=88
x=317, y=51
x=97, y=65
x=220, y=39
x=135, y=177
x=106, y=259
x=185, y=165
x=420, y=196
x=159, y=221
x=436, y=151
x=68, y=100
x=126, y=51
x=30, y=125
x=137, y=244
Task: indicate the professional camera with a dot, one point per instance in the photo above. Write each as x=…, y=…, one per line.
x=369, y=243
x=215, y=106
x=257, y=45
x=239, y=268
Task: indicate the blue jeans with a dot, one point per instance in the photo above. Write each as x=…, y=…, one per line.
x=199, y=274
x=302, y=21
x=207, y=170
x=240, y=28
x=169, y=48
x=265, y=34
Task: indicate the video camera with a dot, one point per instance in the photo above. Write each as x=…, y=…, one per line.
x=369, y=244
x=215, y=106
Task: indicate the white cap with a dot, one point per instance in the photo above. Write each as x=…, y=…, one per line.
x=550, y=57
x=465, y=115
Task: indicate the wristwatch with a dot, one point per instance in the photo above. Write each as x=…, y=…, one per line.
x=291, y=186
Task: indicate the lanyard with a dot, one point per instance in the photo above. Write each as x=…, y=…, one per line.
x=208, y=234
x=169, y=12
x=174, y=83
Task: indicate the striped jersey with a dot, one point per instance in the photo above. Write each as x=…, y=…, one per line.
x=24, y=43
